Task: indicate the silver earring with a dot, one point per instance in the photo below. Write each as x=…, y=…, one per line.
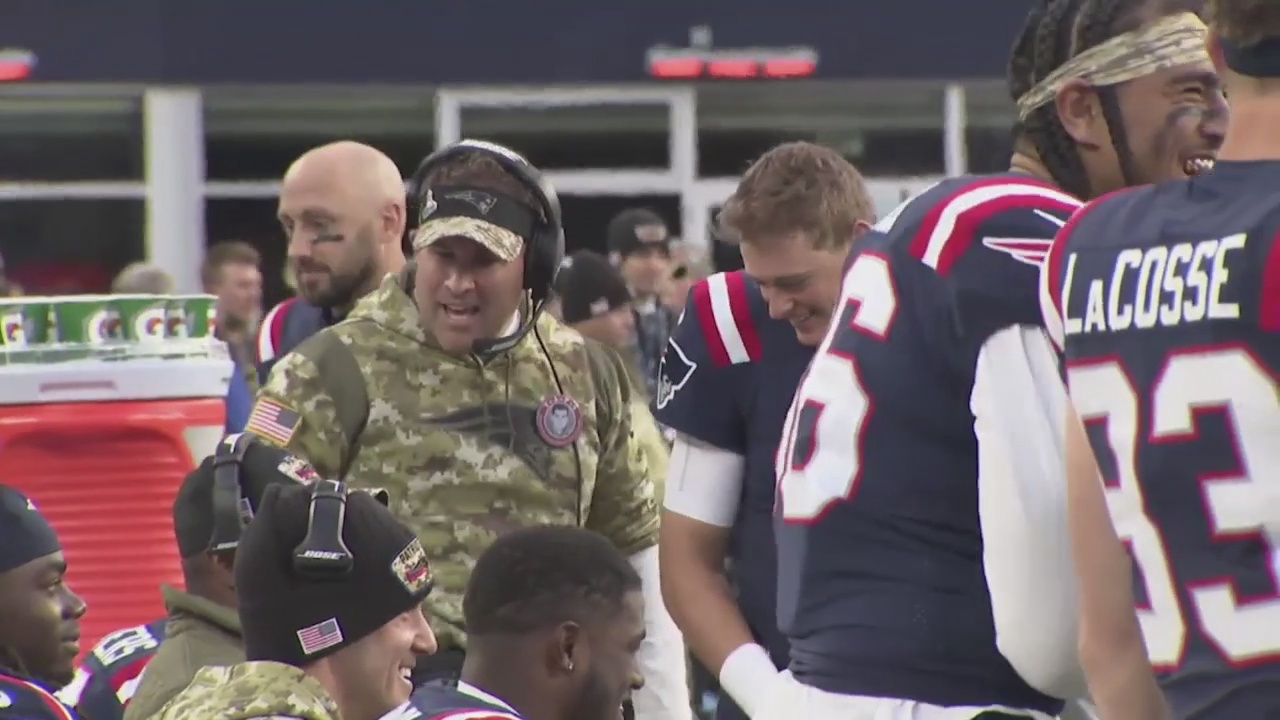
x=568, y=665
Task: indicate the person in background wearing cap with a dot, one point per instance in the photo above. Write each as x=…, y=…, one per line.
x=331, y=588
x=479, y=413
x=594, y=301
x=555, y=616
x=203, y=628
x=39, y=614
x=342, y=208
x=688, y=268
x=640, y=245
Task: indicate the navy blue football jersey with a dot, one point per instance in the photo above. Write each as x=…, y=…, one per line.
x=1166, y=301
x=727, y=379
x=880, y=565
x=108, y=675
x=22, y=698
x=284, y=328
x=445, y=701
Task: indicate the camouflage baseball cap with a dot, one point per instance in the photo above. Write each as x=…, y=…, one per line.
x=499, y=241
x=479, y=220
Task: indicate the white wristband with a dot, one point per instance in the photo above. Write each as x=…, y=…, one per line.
x=747, y=675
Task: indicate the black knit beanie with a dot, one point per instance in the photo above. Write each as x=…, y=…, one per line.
x=589, y=287
x=296, y=619
x=263, y=465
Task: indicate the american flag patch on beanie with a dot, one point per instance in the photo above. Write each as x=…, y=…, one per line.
x=315, y=638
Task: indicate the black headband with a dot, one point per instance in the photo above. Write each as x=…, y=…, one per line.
x=482, y=204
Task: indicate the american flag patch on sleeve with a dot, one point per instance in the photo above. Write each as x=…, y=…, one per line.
x=272, y=421
x=315, y=638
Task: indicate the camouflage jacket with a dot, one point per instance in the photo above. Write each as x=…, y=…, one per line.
x=251, y=691
x=465, y=449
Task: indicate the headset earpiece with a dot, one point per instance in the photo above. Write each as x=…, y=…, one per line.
x=228, y=517
x=322, y=554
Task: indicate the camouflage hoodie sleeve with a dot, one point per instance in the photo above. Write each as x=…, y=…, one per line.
x=624, y=505
x=251, y=691
x=295, y=411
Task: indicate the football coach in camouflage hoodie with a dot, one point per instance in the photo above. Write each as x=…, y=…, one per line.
x=450, y=388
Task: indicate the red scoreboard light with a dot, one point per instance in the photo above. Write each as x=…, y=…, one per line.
x=746, y=64
x=16, y=64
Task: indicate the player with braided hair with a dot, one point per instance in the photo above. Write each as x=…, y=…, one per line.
x=1092, y=137
x=1184, y=411
x=923, y=564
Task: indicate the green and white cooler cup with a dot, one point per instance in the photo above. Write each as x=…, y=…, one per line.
x=87, y=320
x=143, y=318
x=13, y=325
x=24, y=329
x=193, y=316
x=38, y=317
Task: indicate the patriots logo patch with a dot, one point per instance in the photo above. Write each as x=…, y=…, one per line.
x=674, y=372
x=483, y=202
x=1031, y=251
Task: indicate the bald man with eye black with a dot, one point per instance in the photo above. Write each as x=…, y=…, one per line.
x=342, y=209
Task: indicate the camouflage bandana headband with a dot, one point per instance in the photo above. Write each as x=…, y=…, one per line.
x=1175, y=40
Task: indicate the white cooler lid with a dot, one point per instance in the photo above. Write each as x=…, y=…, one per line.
x=117, y=380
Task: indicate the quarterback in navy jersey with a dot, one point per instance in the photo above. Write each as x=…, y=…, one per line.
x=725, y=383
x=1166, y=303
x=109, y=674
x=881, y=459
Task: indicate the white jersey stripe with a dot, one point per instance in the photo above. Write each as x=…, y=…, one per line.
x=966, y=201
x=726, y=325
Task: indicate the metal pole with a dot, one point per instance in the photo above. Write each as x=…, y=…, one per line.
x=173, y=146
x=955, y=119
x=448, y=118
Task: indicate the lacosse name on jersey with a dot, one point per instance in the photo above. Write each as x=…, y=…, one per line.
x=1172, y=359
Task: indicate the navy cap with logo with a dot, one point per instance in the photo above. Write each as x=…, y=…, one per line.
x=631, y=231
x=25, y=535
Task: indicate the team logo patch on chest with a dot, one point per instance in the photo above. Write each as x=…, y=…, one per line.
x=559, y=420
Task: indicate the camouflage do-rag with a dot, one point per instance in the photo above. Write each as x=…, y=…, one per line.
x=1172, y=41
x=24, y=533
x=292, y=618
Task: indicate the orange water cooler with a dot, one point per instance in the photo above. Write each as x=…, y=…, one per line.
x=101, y=448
